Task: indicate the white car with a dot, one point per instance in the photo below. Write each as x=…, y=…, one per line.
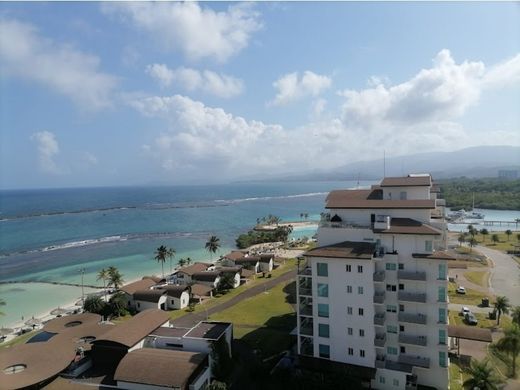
x=461, y=290
x=464, y=311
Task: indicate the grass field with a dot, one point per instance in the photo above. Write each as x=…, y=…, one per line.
x=480, y=278
x=20, y=339
x=472, y=297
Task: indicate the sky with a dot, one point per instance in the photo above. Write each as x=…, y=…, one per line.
x=106, y=94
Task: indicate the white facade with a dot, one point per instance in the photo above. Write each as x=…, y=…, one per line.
x=266, y=266
x=388, y=312
x=161, y=304
x=174, y=303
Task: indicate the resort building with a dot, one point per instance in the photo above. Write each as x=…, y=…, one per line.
x=266, y=262
x=373, y=293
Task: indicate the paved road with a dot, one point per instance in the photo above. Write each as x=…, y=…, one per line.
x=475, y=309
x=505, y=275
x=192, y=319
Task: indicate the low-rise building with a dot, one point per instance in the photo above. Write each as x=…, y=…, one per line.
x=129, y=289
x=266, y=262
x=209, y=278
x=184, y=275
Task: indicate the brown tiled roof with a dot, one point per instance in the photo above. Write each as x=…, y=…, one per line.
x=149, y=295
x=65, y=323
x=208, y=330
x=159, y=367
x=194, y=268
x=175, y=290
x=408, y=226
x=372, y=199
x=437, y=255
x=347, y=249
x=234, y=255
x=229, y=270
x=406, y=181
x=156, y=279
x=142, y=284
x=200, y=290
x=435, y=188
x=132, y=331
x=470, y=333
x=266, y=258
x=207, y=276
x=248, y=260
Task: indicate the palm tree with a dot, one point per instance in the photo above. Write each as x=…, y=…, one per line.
x=501, y=306
x=510, y=343
x=171, y=255
x=484, y=233
x=160, y=255
x=2, y=303
x=508, y=232
x=94, y=304
x=515, y=315
x=114, y=277
x=495, y=238
x=462, y=238
x=482, y=376
x=103, y=275
x=472, y=242
x=188, y=260
x=213, y=245
x=118, y=304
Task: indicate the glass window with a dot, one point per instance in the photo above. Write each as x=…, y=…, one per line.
x=442, y=316
x=349, y=310
x=323, y=269
x=323, y=290
x=442, y=359
x=391, y=350
x=349, y=289
x=360, y=290
x=391, y=329
x=349, y=331
x=324, y=351
x=401, y=328
x=396, y=381
x=390, y=266
x=401, y=266
x=323, y=330
x=382, y=379
x=401, y=286
x=323, y=310
x=360, y=268
x=442, y=271
x=351, y=351
x=391, y=308
x=442, y=294
x=362, y=352
x=360, y=311
x=361, y=332
x=428, y=246
x=402, y=195
x=391, y=287
x=442, y=336
x=348, y=268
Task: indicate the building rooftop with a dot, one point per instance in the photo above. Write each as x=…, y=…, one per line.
x=200, y=290
x=372, y=199
x=247, y=260
x=174, y=290
x=159, y=367
x=208, y=330
x=266, y=257
x=194, y=268
x=149, y=295
x=163, y=331
x=346, y=249
x=207, y=276
x=407, y=181
x=142, y=284
x=408, y=226
x=65, y=323
x=437, y=255
x=234, y=255
x=470, y=333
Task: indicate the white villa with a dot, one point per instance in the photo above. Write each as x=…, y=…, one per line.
x=373, y=294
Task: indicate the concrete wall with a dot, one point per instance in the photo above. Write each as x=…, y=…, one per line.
x=266, y=267
x=394, y=193
x=143, y=305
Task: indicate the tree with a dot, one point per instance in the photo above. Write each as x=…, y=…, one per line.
x=227, y=281
x=161, y=254
x=462, y=238
x=518, y=237
x=182, y=262
x=495, y=238
x=510, y=343
x=472, y=242
x=482, y=376
x=171, y=255
x=213, y=245
x=471, y=230
x=94, y=304
x=103, y=275
x=221, y=356
x=502, y=307
x=216, y=385
x=2, y=303
x=484, y=233
x=508, y=232
x=188, y=260
x=118, y=304
x=515, y=315
x=114, y=278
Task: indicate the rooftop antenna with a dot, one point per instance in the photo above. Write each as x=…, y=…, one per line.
x=384, y=163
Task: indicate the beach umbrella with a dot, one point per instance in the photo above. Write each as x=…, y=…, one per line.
x=58, y=311
x=33, y=322
x=5, y=331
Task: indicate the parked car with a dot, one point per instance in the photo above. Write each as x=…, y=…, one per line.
x=464, y=310
x=471, y=319
x=461, y=290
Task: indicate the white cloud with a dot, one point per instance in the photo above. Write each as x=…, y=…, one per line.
x=89, y=159
x=503, y=74
x=207, y=81
x=318, y=106
x=291, y=88
x=199, y=32
x=26, y=54
x=48, y=148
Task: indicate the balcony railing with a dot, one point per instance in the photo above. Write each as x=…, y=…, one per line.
x=417, y=361
x=306, y=330
x=307, y=349
x=305, y=310
x=412, y=318
x=413, y=340
x=379, y=319
x=411, y=297
x=380, y=361
x=379, y=276
x=305, y=271
x=380, y=339
x=343, y=225
x=379, y=297
x=411, y=275
x=305, y=291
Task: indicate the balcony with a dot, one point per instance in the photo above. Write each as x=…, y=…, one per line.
x=343, y=225
x=413, y=360
x=412, y=318
x=412, y=340
x=380, y=361
x=380, y=339
x=306, y=326
x=379, y=297
x=382, y=222
x=305, y=310
x=306, y=346
x=379, y=319
x=411, y=297
x=379, y=276
x=305, y=291
x=411, y=275
x=305, y=271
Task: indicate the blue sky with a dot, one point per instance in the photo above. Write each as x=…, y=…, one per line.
x=137, y=93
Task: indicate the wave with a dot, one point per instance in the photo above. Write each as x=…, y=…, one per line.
x=239, y=200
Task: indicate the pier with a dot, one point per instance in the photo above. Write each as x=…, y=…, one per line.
x=500, y=223
x=47, y=282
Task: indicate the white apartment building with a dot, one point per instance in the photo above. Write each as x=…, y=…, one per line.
x=373, y=293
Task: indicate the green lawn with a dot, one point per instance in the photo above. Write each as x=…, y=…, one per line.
x=503, y=244
x=478, y=277
x=20, y=339
x=472, y=297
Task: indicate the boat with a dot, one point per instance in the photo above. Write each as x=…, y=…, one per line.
x=474, y=214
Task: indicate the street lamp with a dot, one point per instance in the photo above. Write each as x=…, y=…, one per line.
x=82, y=271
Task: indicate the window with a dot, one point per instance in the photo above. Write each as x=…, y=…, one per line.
x=324, y=351
x=323, y=269
x=442, y=359
x=442, y=294
x=401, y=266
x=442, y=316
x=391, y=308
x=402, y=349
x=396, y=381
x=401, y=307
x=428, y=245
x=360, y=290
x=442, y=272
x=390, y=266
x=401, y=328
x=401, y=286
x=362, y=352
x=391, y=287
x=323, y=310
x=323, y=330
x=359, y=268
x=351, y=351
x=382, y=380
x=349, y=289
x=323, y=290
x=361, y=332
x=402, y=195
x=349, y=310
x=391, y=350
x=349, y=331
x=348, y=268
x=391, y=329
x=442, y=336
x=360, y=311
